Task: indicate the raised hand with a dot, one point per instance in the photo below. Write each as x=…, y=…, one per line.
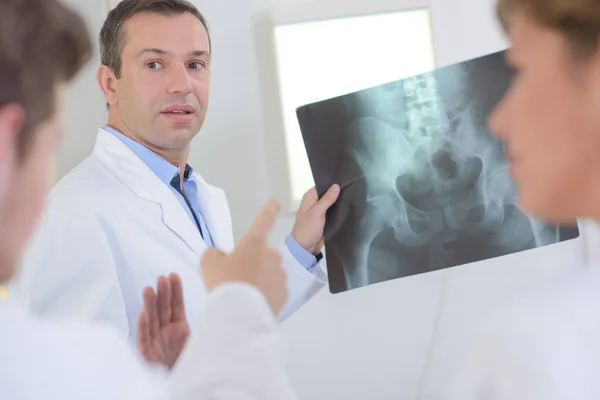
x=162, y=326
x=252, y=261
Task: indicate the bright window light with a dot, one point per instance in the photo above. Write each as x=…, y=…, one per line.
x=323, y=59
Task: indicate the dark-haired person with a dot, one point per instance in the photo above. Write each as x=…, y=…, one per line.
x=232, y=355
x=136, y=192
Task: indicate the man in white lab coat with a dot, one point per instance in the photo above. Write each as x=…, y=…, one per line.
x=134, y=209
x=233, y=353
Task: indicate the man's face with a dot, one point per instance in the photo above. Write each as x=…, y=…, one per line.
x=161, y=97
x=23, y=183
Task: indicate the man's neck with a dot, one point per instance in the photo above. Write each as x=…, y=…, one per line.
x=176, y=157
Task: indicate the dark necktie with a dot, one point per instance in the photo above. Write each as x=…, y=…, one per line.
x=176, y=184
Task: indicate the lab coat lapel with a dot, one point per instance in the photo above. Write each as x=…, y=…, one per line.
x=215, y=211
x=136, y=175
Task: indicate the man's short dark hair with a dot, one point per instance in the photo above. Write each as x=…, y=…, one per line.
x=112, y=35
x=42, y=44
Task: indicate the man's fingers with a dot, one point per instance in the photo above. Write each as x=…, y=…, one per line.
x=151, y=312
x=177, y=303
x=328, y=199
x=265, y=220
x=309, y=199
x=143, y=333
x=163, y=301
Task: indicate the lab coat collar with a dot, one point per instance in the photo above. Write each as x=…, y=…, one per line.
x=215, y=211
x=161, y=167
x=136, y=175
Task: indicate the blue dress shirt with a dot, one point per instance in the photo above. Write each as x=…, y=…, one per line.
x=166, y=171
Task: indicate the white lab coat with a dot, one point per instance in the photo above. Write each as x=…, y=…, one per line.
x=111, y=228
x=233, y=355
x=546, y=347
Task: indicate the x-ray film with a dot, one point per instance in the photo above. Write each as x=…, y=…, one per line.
x=425, y=186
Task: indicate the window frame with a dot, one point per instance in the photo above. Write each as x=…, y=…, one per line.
x=273, y=118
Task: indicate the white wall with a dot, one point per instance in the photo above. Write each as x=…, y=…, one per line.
x=84, y=110
x=390, y=341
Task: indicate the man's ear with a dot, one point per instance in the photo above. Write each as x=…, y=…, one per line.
x=107, y=83
x=12, y=118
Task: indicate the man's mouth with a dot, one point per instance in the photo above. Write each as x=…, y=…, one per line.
x=180, y=112
x=178, y=109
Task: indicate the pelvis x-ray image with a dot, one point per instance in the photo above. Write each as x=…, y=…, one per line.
x=425, y=186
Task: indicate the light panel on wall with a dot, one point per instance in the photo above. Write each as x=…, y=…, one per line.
x=323, y=59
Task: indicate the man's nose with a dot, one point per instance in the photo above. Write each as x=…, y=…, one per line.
x=180, y=81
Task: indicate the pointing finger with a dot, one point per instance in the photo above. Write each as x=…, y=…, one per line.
x=264, y=221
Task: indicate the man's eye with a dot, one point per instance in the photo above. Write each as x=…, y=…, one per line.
x=197, y=65
x=154, y=65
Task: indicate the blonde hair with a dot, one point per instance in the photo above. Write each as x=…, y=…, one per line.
x=577, y=20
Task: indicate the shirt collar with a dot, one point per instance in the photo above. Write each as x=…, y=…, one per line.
x=163, y=169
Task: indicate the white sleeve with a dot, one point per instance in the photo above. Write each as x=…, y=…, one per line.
x=233, y=355
x=302, y=284
x=69, y=271
x=474, y=376
x=505, y=364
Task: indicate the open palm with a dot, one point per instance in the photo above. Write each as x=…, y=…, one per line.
x=162, y=326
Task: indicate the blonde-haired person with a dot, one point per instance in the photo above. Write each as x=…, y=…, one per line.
x=549, y=347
